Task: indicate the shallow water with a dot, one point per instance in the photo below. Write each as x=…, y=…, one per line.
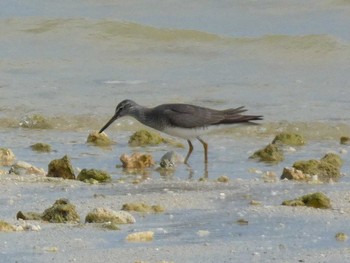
x=74, y=62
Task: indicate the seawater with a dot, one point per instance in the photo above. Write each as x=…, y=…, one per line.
x=74, y=62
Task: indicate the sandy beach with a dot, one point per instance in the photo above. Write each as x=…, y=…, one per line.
x=199, y=224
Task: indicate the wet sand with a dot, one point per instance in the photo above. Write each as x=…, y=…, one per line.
x=199, y=224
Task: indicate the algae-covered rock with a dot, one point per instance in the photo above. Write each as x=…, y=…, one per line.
x=340, y=236
x=327, y=168
x=141, y=207
x=145, y=236
x=316, y=200
x=29, y=215
x=35, y=121
x=61, y=168
x=6, y=157
x=41, y=147
x=145, y=137
x=271, y=153
x=333, y=159
x=223, y=179
x=291, y=139
x=102, y=215
x=99, y=139
x=345, y=140
x=6, y=227
x=62, y=211
x=137, y=161
x=87, y=174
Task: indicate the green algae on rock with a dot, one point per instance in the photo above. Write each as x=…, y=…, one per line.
x=271, y=153
x=291, y=139
x=144, y=208
x=62, y=211
x=35, y=121
x=99, y=139
x=61, y=168
x=6, y=227
x=327, y=168
x=86, y=175
x=316, y=200
x=29, y=215
x=144, y=236
x=103, y=215
x=345, y=140
x=145, y=137
x=223, y=179
x=340, y=236
x=41, y=147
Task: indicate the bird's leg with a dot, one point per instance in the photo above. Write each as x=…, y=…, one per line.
x=190, y=149
x=205, y=146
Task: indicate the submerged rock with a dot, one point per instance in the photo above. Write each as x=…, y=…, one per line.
x=6, y=227
x=327, y=168
x=145, y=236
x=86, y=175
x=137, y=161
x=271, y=153
x=41, y=147
x=62, y=211
x=6, y=157
x=35, y=121
x=99, y=139
x=316, y=200
x=61, y=168
x=145, y=137
x=345, y=140
x=102, y=215
x=141, y=207
x=291, y=139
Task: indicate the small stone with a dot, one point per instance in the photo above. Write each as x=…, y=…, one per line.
x=61, y=211
x=223, y=179
x=137, y=161
x=254, y=202
x=145, y=137
x=99, y=139
x=271, y=154
x=341, y=236
x=103, y=215
x=242, y=221
x=316, y=200
x=140, y=236
x=6, y=157
x=203, y=233
x=144, y=208
x=291, y=139
x=21, y=168
x=61, y=168
x=29, y=215
x=41, y=147
x=293, y=174
x=91, y=175
x=345, y=140
x=6, y=227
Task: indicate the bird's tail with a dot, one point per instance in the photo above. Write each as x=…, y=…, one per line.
x=235, y=116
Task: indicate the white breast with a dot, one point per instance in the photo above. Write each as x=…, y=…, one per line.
x=186, y=133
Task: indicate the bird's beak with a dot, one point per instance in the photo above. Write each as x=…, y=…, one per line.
x=109, y=123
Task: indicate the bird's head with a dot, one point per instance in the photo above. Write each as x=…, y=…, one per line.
x=124, y=108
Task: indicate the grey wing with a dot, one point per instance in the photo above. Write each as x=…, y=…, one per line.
x=190, y=116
